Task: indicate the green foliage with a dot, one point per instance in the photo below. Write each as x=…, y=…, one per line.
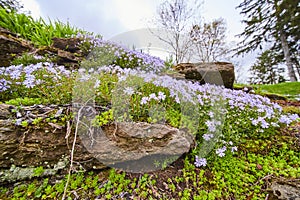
x=287, y=89
x=26, y=59
x=38, y=171
x=104, y=118
x=239, y=176
x=26, y=101
x=291, y=109
x=37, y=31
x=53, y=90
x=271, y=22
x=266, y=70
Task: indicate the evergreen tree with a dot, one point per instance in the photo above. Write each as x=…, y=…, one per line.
x=275, y=21
x=267, y=70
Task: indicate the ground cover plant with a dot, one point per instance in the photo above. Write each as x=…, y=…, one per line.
x=240, y=145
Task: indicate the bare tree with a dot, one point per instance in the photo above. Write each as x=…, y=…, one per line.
x=209, y=40
x=173, y=20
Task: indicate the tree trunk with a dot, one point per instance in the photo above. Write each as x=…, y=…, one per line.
x=287, y=57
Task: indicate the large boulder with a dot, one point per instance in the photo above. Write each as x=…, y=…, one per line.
x=139, y=146
x=218, y=73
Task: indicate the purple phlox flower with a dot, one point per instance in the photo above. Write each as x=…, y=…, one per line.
x=200, y=101
x=294, y=117
x=211, y=124
x=122, y=78
x=18, y=115
x=211, y=114
x=233, y=149
x=207, y=137
x=81, y=70
x=4, y=85
x=15, y=74
x=84, y=77
x=153, y=96
x=38, y=81
x=64, y=71
x=221, y=151
x=97, y=83
x=161, y=96
x=18, y=121
x=91, y=70
x=32, y=68
x=254, y=121
x=277, y=106
x=144, y=100
x=264, y=124
x=269, y=113
x=177, y=100
x=29, y=82
x=51, y=69
x=200, y=162
x=129, y=90
x=285, y=119
x=38, y=57
x=2, y=70
x=274, y=124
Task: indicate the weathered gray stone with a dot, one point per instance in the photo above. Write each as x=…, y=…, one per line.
x=44, y=144
x=286, y=189
x=135, y=146
x=218, y=73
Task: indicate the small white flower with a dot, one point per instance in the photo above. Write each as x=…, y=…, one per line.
x=129, y=91
x=144, y=100
x=200, y=162
x=161, y=96
x=221, y=151
x=153, y=96
x=233, y=149
x=97, y=83
x=207, y=137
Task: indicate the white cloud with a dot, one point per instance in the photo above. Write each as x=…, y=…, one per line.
x=134, y=14
x=33, y=7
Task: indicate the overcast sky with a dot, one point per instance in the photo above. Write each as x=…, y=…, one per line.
x=112, y=17
x=117, y=18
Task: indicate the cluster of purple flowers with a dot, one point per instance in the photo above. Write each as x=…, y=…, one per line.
x=28, y=75
x=115, y=51
x=246, y=108
x=259, y=111
x=160, y=96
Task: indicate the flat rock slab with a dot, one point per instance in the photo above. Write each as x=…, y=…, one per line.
x=138, y=146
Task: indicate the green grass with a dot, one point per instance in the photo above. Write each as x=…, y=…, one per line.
x=37, y=31
x=287, y=89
